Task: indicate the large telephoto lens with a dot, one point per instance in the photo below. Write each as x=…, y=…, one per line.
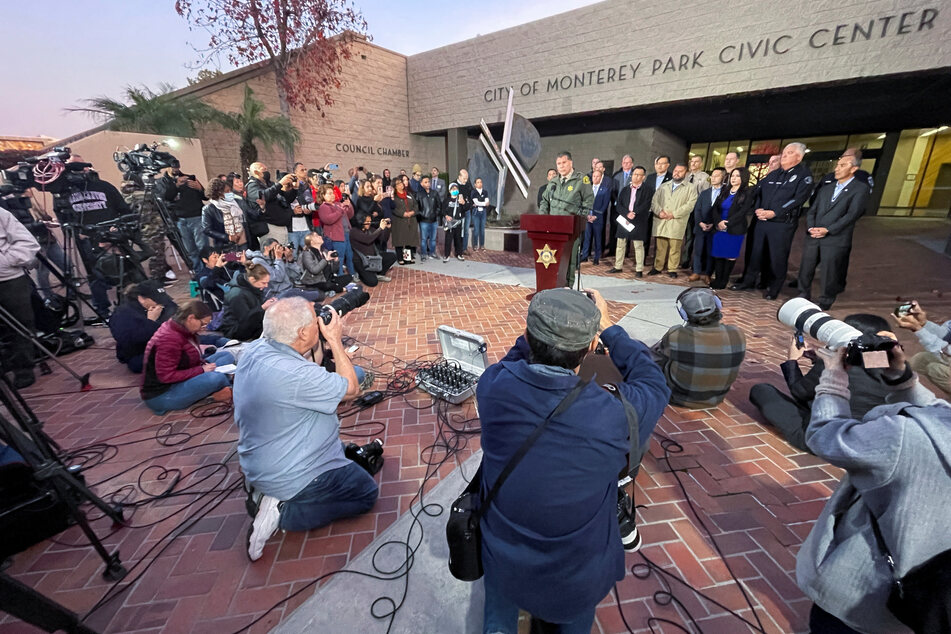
x=344, y=304
x=802, y=315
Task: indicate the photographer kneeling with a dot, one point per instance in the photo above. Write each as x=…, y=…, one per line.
x=893, y=499
x=176, y=374
x=278, y=260
x=319, y=270
x=286, y=411
x=370, y=261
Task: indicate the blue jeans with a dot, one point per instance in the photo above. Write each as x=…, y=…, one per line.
x=193, y=238
x=427, y=242
x=702, y=250
x=297, y=239
x=344, y=253
x=342, y=492
x=501, y=614
x=478, y=228
x=186, y=393
x=466, y=223
x=593, y=232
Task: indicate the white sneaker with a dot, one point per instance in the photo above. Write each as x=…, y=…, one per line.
x=170, y=275
x=384, y=278
x=264, y=525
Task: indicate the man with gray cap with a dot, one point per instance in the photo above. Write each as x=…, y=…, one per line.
x=702, y=357
x=552, y=536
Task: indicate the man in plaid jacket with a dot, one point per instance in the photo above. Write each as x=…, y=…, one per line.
x=702, y=357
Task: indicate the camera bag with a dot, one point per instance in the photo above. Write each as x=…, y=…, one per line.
x=371, y=263
x=463, y=532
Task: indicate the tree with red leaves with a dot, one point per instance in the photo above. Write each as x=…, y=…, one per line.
x=305, y=42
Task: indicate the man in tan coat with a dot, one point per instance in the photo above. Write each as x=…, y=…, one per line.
x=671, y=206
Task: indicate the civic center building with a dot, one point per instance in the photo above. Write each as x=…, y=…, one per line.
x=623, y=77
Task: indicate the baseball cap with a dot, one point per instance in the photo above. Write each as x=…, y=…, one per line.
x=699, y=302
x=563, y=318
x=150, y=290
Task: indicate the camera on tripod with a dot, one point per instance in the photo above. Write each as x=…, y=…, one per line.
x=143, y=159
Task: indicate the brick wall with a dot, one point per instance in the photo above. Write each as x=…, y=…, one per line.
x=370, y=110
x=615, y=35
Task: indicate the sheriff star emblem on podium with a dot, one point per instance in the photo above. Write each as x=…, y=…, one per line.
x=546, y=256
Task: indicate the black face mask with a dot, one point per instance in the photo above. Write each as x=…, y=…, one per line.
x=266, y=176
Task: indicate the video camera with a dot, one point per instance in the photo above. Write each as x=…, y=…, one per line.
x=863, y=350
x=143, y=159
x=52, y=172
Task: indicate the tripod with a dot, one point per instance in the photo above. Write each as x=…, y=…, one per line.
x=19, y=329
x=171, y=229
x=23, y=431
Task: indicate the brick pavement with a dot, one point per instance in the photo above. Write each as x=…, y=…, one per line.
x=757, y=495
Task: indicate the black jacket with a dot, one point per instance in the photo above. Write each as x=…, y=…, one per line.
x=316, y=267
x=243, y=317
x=188, y=201
x=131, y=328
x=98, y=201
x=868, y=389
x=642, y=212
x=738, y=218
x=277, y=202
x=838, y=216
x=430, y=206
x=784, y=192
x=366, y=206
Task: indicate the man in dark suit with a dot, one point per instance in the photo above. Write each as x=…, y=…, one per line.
x=634, y=203
x=541, y=190
x=620, y=180
x=705, y=227
x=652, y=183
x=829, y=225
x=860, y=175
x=594, y=231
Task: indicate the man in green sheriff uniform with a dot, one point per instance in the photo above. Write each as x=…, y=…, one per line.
x=568, y=194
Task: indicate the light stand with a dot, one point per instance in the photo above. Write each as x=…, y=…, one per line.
x=24, y=433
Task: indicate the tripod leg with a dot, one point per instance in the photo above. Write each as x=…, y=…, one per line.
x=18, y=327
x=30, y=606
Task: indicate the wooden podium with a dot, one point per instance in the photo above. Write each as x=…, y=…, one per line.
x=552, y=238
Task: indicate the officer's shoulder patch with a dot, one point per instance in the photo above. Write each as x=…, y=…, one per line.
x=808, y=180
x=586, y=180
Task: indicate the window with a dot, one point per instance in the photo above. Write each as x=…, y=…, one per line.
x=919, y=182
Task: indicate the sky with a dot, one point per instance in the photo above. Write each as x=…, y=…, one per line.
x=59, y=52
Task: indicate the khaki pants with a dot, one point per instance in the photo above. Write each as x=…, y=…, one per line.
x=668, y=253
x=638, y=254
x=934, y=366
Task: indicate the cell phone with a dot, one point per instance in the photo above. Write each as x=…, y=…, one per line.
x=333, y=254
x=192, y=177
x=800, y=340
x=230, y=257
x=904, y=309
x=333, y=166
x=389, y=190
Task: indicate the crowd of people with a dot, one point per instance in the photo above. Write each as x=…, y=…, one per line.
x=267, y=253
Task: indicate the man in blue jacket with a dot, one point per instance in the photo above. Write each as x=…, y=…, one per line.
x=551, y=543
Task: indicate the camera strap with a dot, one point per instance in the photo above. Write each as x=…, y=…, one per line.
x=565, y=403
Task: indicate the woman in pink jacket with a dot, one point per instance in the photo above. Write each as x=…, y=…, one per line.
x=332, y=216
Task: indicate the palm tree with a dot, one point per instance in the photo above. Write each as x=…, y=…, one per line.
x=152, y=112
x=251, y=126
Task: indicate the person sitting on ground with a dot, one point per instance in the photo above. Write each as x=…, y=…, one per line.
x=319, y=270
x=289, y=446
x=145, y=307
x=243, y=315
x=215, y=273
x=791, y=414
x=935, y=361
x=702, y=357
x=527, y=548
x=893, y=499
x=278, y=259
x=366, y=240
x=175, y=373
x=222, y=219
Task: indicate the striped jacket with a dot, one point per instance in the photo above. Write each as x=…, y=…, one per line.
x=700, y=362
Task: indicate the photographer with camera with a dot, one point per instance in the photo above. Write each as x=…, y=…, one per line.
x=278, y=259
x=18, y=249
x=879, y=556
x=372, y=261
x=935, y=361
x=319, y=271
x=289, y=443
x=552, y=537
x=187, y=196
x=790, y=414
x=176, y=375
x=275, y=199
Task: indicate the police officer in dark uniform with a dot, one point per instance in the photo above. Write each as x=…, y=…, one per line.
x=781, y=196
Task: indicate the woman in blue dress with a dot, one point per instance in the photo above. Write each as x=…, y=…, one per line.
x=731, y=212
